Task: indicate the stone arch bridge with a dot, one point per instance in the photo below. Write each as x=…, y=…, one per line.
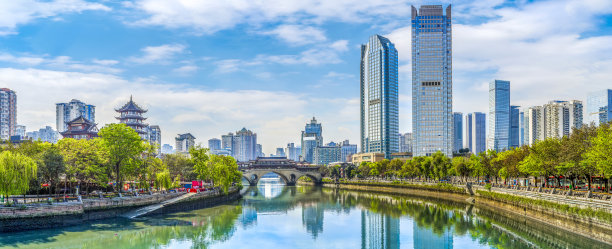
x=289, y=170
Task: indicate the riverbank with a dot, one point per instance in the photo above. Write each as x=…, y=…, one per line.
x=43, y=216
x=586, y=223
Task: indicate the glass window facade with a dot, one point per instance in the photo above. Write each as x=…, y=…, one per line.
x=499, y=115
x=599, y=106
x=379, y=96
x=514, y=126
x=432, y=80
x=457, y=131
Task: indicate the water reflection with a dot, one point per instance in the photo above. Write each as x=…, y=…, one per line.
x=307, y=217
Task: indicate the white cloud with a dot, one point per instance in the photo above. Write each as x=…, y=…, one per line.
x=60, y=62
x=15, y=13
x=297, y=34
x=186, y=69
x=159, y=54
x=105, y=62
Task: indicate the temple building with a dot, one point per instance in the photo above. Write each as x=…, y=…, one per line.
x=80, y=128
x=131, y=115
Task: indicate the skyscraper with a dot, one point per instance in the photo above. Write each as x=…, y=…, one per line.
x=379, y=96
x=347, y=150
x=244, y=145
x=66, y=112
x=432, y=83
x=214, y=144
x=515, y=136
x=499, y=115
x=560, y=117
x=155, y=137
x=522, y=128
x=406, y=142
x=599, y=106
x=457, y=131
x=184, y=142
x=534, y=124
x=293, y=153
x=8, y=113
x=312, y=136
x=475, y=132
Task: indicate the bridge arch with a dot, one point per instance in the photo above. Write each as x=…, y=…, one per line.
x=288, y=170
x=289, y=176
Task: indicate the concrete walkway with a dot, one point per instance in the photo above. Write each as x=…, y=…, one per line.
x=151, y=208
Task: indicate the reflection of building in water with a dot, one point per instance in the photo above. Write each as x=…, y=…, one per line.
x=312, y=219
x=248, y=217
x=379, y=231
x=426, y=238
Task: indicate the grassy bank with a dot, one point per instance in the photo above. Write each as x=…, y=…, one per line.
x=440, y=187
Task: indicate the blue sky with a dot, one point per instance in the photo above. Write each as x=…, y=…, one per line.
x=211, y=67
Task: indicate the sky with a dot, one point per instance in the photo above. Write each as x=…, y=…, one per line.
x=213, y=67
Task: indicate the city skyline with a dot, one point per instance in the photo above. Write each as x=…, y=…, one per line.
x=310, y=66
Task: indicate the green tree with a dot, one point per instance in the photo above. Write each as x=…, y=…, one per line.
x=600, y=153
x=123, y=144
x=163, y=180
x=53, y=166
x=86, y=161
x=16, y=171
x=573, y=149
x=461, y=167
x=441, y=165
x=179, y=164
x=221, y=170
x=542, y=159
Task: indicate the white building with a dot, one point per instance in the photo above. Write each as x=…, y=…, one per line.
x=66, y=112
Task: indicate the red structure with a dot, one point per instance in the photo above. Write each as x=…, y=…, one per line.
x=131, y=115
x=81, y=128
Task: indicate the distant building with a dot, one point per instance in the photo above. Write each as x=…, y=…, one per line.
x=367, y=157
x=347, y=150
x=66, y=112
x=312, y=136
x=80, y=128
x=534, y=124
x=499, y=115
x=132, y=115
x=154, y=134
x=475, y=132
x=280, y=152
x=599, y=106
x=167, y=149
x=46, y=134
x=457, y=131
x=379, y=96
x=406, y=142
x=293, y=153
x=243, y=145
x=522, y=128
x=184, y=142
x=214, y=144
x=259, y=151
x=226, y=141
x=515, y=131
x=8, y=111
x=20, y=130
x=327, y=154
x=561, y=117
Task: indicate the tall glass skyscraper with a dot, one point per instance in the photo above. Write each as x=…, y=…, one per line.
x=514, y=138
x=457, y=131
x=599, y=106
x=312, y=137
x=475, y=132
x=432, y=83
x=379, y=97
x=499, y=115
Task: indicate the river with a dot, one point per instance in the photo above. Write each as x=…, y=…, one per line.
x=272, y=215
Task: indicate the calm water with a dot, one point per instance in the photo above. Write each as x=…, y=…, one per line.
x=275, y=216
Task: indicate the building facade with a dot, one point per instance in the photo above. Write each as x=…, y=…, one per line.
x=475, y=132
x=406, y=142
x=347, y=150
x=131, y=115
x=367, y=157
x=80, y=128
x=379, y=96
x=515, y=130
x=20, y=130
x=312, y=137
x=154, y=135
x=8, y=113
x=293, y=153
x=457, y=131
x=599, y=106
x=552, y=120
x=66, y=112
x=184, y=142
x=244, y=145
x=327, y=154
x=214, y=144
x=46, y=134
x=499, y=115
x=432, y=83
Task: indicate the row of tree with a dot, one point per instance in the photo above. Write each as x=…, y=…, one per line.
x=586, y=153
x=117, y=155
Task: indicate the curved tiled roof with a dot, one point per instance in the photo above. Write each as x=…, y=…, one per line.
x=131, y=106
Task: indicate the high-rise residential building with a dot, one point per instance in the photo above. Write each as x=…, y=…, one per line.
x=329, y=153
x=457, y=131
x=46, y=134
x=379, y=96
x=515, y=131
x=406, y=142
x=214, y=144
x=226, y=141
x=20, y=130
x=599, y=106
x=312, y=136
x=432, y=80
x=560, y=117
x=259, y=150
x=131, y=115
x=534, y=124
x=8, y=113
x=475, y=132
x=499, y=115
x=184, y=142
x=167, y=149
x=154, y=134
x=347, y=150
x=244, y=145
x=522, y=138
x=66, y=112
x=293, y=153
x=280, y=152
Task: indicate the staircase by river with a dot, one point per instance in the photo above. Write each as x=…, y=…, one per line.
x=148, y=209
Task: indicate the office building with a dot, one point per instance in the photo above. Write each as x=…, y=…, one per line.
x=184, y=142
x=46, y=134
x=371, y=157
x=20, y=130
x=499, y=115
x=406, y=142
x=226, y=141
x=515, y=136
x=244, y=145
x=457, y=131
x=81, y=128
x=347, y=150
x=259, y=150
x=8, y=113
x=475, y=132
x=280, y=152
x=131, y=115
x=154, y=135
x=599, y=106
x=312, y=137
x=522, y=128
x=327, y=154
x=293, y=153
x=66, y=112
x=432, y=83
x=379, y=96
x=214, y=144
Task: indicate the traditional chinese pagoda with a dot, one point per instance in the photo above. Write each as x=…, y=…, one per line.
x=131, y=115
x=80, y=128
